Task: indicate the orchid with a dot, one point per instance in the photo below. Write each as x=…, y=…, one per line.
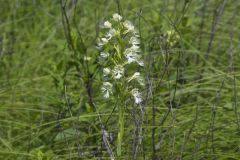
x=137, y=95
x=132, y=57
x=121, y=39
x=104, y=41
x=106, y=89
x=129, y=26
x=107, y=24
x=117, y=17
x=118, y=71
x=134, y=41
x=106, y=71
x=104, y=54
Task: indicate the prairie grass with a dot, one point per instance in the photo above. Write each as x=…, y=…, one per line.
x=51, y=105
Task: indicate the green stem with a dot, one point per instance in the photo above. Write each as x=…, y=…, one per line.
x=121, y=129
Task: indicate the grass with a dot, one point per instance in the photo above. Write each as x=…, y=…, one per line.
x=50, y=101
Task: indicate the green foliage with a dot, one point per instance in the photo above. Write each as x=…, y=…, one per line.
x=51, y=106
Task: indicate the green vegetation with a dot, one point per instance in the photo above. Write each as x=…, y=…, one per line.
x=51, y=104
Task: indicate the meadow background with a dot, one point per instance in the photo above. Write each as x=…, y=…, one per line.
x=51, y=106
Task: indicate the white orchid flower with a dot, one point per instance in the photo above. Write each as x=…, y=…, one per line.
x=129, y=26
x=132, y=57
x=106, y=71
x=134, y=41
x=104, y=40
x=104, y=54
x=107, y=24
x=118, y=71
x=117, y=17
x=110, y=34
x=106, y=89
x=136, y=95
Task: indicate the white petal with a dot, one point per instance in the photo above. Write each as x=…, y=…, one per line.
x=106, y=71
x=104, y=54
x=108, y=36
x=140, y=63
x=106, y=89
x=117, y=17
x=118, y=71
x=135, y=48
x=129, y=26
x=104, y=40
x=137, y=96
x=107, y=24
x=118, y=75
x=106, y=95
x=134, y=41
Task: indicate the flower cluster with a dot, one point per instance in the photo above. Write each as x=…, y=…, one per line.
x=120, y=56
